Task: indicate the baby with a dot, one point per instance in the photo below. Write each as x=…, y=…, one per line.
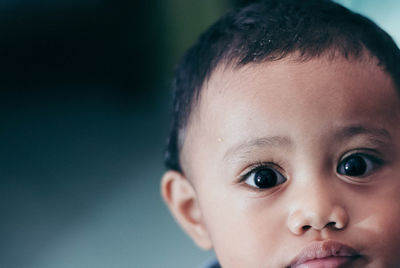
x=285, y=142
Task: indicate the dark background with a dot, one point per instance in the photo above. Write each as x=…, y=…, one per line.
x=84, y=97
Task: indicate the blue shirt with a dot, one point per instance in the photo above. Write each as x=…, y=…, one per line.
x=212, y=264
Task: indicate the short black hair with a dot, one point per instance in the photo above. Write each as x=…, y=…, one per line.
x=270, y=30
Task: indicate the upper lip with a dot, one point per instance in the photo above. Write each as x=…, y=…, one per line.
x=323, y=249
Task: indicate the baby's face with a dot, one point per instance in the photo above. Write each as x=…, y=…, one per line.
x=290, y=160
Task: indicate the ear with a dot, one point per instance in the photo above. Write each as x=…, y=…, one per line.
x=181, y=200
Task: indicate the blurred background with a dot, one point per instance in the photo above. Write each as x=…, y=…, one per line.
x=84, y=99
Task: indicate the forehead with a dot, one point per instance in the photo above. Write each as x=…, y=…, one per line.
x=287, y=97
x=288, y=79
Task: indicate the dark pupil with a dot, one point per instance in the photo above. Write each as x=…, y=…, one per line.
x=265, y=178
x=354, y=166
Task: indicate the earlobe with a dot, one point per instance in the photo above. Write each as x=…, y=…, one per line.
x=181, y=200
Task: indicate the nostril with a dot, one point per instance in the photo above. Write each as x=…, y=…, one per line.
x=305, y=227
x=331, y=224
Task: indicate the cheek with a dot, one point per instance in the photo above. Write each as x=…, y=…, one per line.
x=245, y=231
x=383, y=235
x=379, y=229
x=388, y=233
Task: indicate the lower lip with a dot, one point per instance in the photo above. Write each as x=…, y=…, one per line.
x=329, y=262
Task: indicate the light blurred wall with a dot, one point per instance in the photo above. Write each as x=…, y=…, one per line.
x=84, y=100
x=383, y=12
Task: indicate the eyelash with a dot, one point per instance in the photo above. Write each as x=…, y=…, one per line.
x=257, y=167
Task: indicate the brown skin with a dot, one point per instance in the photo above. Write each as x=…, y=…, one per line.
x=300, y=119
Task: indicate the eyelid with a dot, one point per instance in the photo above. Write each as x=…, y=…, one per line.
x=373, y=154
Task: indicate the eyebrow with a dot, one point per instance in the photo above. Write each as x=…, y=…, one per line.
x=356, y=130
x=249, y=145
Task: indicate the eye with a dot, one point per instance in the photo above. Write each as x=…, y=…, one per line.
x=358, y=165
x=264, y=178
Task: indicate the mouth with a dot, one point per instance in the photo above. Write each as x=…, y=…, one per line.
x=326, y=254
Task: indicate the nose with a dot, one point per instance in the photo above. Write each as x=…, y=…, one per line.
x=317, y=209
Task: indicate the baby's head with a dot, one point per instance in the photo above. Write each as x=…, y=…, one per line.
x=285, y=141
